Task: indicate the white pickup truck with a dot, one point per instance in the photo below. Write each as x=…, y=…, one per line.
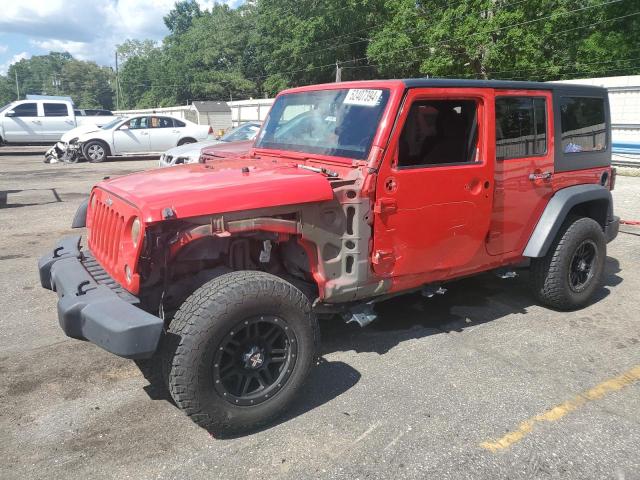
x=40, y=121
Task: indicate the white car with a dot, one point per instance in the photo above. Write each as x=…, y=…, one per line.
x=137, y=135
x=191, y=153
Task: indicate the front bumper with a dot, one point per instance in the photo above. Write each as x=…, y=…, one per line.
x=89, y=310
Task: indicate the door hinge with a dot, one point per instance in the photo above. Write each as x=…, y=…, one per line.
x=385, y=205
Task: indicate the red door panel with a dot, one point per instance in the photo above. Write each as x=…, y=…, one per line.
x=432, y=219
x=518, y=199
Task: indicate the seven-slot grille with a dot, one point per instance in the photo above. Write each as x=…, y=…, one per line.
x=106, y=231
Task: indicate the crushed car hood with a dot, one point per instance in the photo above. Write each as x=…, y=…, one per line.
x=204, y=189
x=78, y=131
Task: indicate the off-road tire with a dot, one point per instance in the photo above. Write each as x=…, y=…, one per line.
x=210, y=315
x=93, y=144
x=550, y=275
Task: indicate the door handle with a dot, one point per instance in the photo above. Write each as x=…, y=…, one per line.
x=540, y=176
x=144, y=133
x=36, y=121
x=176, y=131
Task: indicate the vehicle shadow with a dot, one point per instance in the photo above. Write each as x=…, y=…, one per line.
x=468, y=302
x=404, y=318
x=7, y=151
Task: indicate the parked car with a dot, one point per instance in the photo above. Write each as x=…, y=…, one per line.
x=136, y=135
x=216, y=274
x=244, y=134
x=40, y=121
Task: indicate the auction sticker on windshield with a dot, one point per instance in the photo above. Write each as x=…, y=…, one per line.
x=363, y=97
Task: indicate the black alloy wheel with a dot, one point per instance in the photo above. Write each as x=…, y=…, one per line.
x=581, y=268
x=255, y=360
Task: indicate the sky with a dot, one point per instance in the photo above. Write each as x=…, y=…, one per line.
x=88, y=29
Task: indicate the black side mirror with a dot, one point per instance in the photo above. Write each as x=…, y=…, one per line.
x=10, y=113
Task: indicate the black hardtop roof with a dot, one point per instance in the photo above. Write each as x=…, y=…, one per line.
x=501, y=84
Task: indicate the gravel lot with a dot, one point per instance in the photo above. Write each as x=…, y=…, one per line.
x=427, y=391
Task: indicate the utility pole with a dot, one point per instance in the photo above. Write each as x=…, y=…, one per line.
x=117, y=84
x=338, y=72
x=15, y=70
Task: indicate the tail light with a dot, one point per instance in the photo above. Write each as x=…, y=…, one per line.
x=612, y=180
x=210, y=130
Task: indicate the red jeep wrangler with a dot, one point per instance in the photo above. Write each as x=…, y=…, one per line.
x=215, y=273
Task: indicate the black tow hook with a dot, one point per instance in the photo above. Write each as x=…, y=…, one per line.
x=83, y=291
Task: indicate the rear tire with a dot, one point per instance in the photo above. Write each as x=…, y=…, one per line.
x=95, y=151
x=239, y=350
x=567, y=277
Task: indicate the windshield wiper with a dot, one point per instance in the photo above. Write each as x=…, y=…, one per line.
x=327, y=172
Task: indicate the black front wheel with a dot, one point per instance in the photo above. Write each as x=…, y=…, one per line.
x=239, y=350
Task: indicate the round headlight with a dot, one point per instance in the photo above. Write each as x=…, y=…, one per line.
x=135, y=232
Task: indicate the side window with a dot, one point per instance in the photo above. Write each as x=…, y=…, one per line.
x=521, y=127
x=26, y=110
x=439, y=132
x=178, y=123
x=55, y=110
x=161, y=122
x=583, y=124
x=77, y=113
x=139, y=122
x=166, y=122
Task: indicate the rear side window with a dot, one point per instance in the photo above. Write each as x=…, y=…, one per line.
x=521, y=127
x=178, y=123
x=583, y=124
x=26, y=110
x=55, y=110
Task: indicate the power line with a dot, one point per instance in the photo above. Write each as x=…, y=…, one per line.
x=554, y=33
x=432, y=45
x=444, y=8
x=528, y=22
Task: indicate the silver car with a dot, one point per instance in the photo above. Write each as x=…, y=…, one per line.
x=191, y=153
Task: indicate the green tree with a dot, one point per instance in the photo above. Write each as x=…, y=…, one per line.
x=181, y=17
x=7, y=90
x=296, y=42
x=89, y=85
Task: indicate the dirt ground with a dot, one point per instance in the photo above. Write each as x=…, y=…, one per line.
x=478, y=383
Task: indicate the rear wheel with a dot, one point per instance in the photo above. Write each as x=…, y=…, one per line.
x=95, y=151
x=567, y=277
x=239, y=351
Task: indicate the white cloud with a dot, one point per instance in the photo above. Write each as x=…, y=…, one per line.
x=88, y=30
x=3, y=48
x=15, y=59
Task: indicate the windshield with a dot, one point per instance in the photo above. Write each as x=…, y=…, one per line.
x=339, y=122
x=248, y=131
x=112, y=123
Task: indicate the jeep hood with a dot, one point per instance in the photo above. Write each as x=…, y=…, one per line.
x=204, y=189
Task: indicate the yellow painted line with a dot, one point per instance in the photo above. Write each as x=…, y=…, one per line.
x=556, y=413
